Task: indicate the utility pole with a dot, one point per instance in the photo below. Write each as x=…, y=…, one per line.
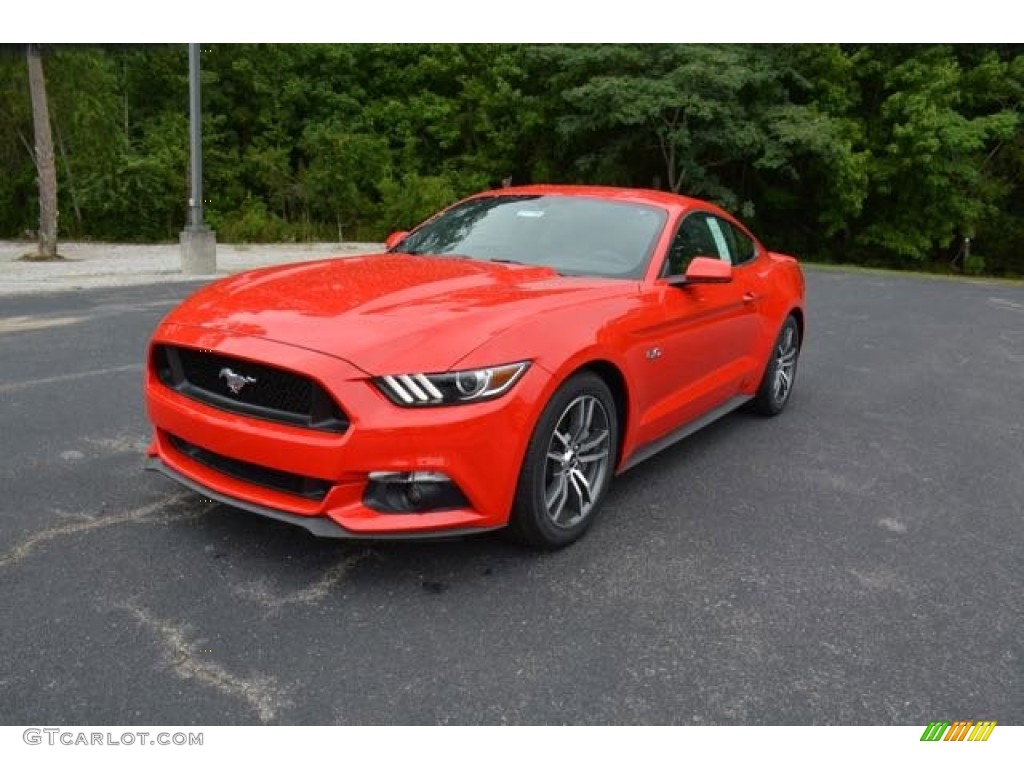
x=198, y=242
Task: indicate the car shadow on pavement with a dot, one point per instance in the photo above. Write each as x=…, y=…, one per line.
x=278, y=565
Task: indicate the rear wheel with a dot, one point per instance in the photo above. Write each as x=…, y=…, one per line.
x=568, y=466
x=780, y=375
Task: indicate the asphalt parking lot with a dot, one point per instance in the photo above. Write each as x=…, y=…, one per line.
x=856, y=561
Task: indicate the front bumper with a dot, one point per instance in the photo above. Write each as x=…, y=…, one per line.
x=321, y=526
x=479, y=446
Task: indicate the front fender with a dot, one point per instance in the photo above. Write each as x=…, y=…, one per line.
x=563, y=342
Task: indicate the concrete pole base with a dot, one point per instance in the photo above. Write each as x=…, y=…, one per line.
x=198, y=251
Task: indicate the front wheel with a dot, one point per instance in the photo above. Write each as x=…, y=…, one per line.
x=568, y=465
x=780, y=375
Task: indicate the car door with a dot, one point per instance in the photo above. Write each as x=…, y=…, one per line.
x=699, y=338
x=751, y=274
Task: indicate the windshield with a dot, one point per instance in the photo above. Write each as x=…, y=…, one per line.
x=573, y=235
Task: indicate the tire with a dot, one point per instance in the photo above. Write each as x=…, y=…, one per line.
x=779, y=377
x=568, y=465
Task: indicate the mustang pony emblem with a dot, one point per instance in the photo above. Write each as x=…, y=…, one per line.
x=235, y=380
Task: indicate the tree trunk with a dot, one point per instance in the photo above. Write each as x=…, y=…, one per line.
x=46, y=168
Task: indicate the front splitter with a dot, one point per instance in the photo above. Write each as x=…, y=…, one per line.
x=322, y=527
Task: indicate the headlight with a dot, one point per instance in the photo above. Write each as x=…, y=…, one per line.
x=472, y=386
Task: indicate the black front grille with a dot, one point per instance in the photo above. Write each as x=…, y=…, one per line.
x=269, y=387
x=275, y=479
x=265, y=391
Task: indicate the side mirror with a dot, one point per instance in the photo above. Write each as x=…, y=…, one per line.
x=704, y=269
x=394, y=239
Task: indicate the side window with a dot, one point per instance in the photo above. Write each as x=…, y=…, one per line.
x=721, y=232
x=743, y=248
x=700, y=234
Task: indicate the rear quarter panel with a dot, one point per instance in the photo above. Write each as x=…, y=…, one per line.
x=783, y=283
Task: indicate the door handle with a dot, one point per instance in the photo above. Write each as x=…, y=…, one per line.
x=749, y=296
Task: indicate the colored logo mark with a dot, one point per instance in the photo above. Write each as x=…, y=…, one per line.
x=960, y=730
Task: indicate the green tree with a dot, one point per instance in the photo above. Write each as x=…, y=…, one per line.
x=887, y=154
x=690, y=106
x=928, y=172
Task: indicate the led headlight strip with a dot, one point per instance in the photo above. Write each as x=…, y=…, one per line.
x=470, y=386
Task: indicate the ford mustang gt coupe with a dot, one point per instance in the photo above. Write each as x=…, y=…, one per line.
x=494, y=367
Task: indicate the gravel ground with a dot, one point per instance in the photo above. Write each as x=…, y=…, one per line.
x=108, y=265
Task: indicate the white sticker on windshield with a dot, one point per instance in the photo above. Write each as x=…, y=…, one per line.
x=716, y=232
x=528, y=214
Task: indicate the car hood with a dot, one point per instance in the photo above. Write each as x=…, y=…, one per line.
x=387, y=313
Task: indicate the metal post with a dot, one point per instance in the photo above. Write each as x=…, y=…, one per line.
x=195, y=115
x=198, y=244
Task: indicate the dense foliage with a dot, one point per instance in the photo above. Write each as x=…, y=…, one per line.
x=884, y=155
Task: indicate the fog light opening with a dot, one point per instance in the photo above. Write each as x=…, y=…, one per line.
x=404, y=492
x=414, y=494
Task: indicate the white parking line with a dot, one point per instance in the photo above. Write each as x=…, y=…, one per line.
x=148, y=513
x=314, y=592
x=30, y=323
x=261, y=692
x=15, y=386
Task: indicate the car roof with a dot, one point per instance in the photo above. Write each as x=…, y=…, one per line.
x=624, y=194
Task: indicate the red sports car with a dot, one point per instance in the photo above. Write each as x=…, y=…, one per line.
x=494, y=367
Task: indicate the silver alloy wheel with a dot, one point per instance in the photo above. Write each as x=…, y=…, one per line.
x=577, y=462
x=785, y=364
